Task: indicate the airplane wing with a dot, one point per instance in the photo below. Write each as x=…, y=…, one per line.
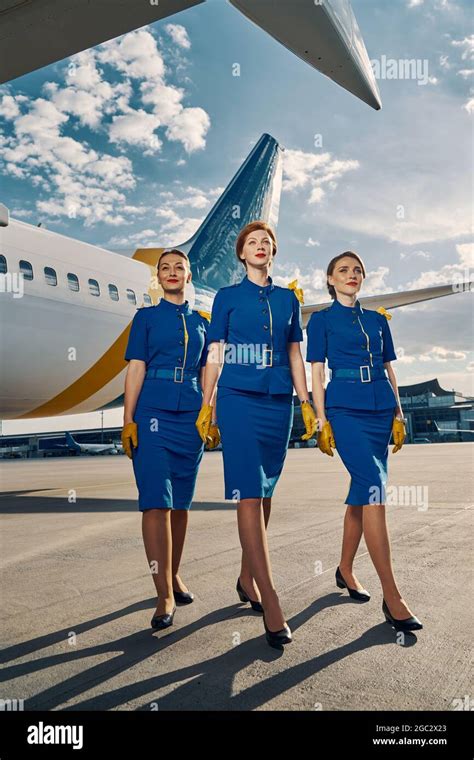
x=394, y=300
x=325, y=34
x=36, y=33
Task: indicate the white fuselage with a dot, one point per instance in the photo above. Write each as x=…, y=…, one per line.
x=52, y=335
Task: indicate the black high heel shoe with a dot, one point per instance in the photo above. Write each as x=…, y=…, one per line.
x=183, y=597
x=256, y=606
x=276, y=639
x=406, y=624
x=158, y=622
x=361, y=596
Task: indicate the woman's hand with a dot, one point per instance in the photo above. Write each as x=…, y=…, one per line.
x=214, y=436
x=398, y=433
x=129, y=437
x=326, y=440
x=309, y=419
x=203, y=422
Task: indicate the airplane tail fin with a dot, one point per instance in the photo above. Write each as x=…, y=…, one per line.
x=253, y=193
x=71, y=442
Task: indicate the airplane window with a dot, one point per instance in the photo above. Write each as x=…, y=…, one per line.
x=3, y=264
x=94, y=289
x=26, y=270
x=73, y=282
x=147, y=299
x=131, y=296
x=113, y=292
x=50, y=276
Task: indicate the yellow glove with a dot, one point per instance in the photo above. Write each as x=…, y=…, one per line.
x=398, y=433
x=309, y=419
x=129, y=438
x=213, y=437
x=203, y=422
x=326, y=439
x=297, y=291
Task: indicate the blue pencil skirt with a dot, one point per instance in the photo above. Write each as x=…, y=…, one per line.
x=167, y=458
x=255, y=430
x=362, y=438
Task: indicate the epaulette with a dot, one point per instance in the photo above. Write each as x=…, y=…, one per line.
x=205, y=314
x=293, y=285
x=383, y=311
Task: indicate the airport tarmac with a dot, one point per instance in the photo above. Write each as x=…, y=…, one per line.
x=77, y=596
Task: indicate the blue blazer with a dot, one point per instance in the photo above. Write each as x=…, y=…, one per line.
x=253, y=321
x=350, y=338
x=157, y=338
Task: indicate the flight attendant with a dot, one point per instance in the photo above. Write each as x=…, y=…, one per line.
x=167, y=351
x=357, y=415
x=254, y=355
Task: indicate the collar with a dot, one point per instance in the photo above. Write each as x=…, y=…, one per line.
x=249, y=285
x=182, y=308
x=338, y=306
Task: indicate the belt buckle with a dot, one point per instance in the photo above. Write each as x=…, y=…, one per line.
x=180, y=369
x=365, y=366
x=265, y=363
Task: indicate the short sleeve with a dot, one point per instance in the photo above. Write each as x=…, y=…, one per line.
x=137, y=347
x=295, y=334
x=388, y=351
x=219, y=327
x=206, y=344
x=317, y=340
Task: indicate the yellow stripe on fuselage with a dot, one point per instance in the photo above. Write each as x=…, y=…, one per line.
x=102, y=372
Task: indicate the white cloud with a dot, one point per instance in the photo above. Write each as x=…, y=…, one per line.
x=40, y=145
x=172, y=217
x=466, y=254
x=469, y=106
x=414, y=254
x=441, y=354
x=449, y=274
x=9, y=107
x=165, y=99
x=467, y=47
x=403, y=357
x=312, y=171
x=189, y=127
x=135, y=54
x=179, y=35
x=136, y=128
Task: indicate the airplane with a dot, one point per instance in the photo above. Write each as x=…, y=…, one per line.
x=92, y=448
x=451, y=431
x=323, y=33
x=63, y=341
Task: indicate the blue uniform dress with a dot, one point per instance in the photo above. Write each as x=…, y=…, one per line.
x=360, y=402
x=169, y=450
x=255, y=389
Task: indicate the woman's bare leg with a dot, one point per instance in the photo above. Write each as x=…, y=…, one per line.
x=350, y=543
x=179, y=524
x=253, y=538
x=378, y=543
x=246, y=579
x=156, y=531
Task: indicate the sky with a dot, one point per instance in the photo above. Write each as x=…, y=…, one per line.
x=130, y=143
